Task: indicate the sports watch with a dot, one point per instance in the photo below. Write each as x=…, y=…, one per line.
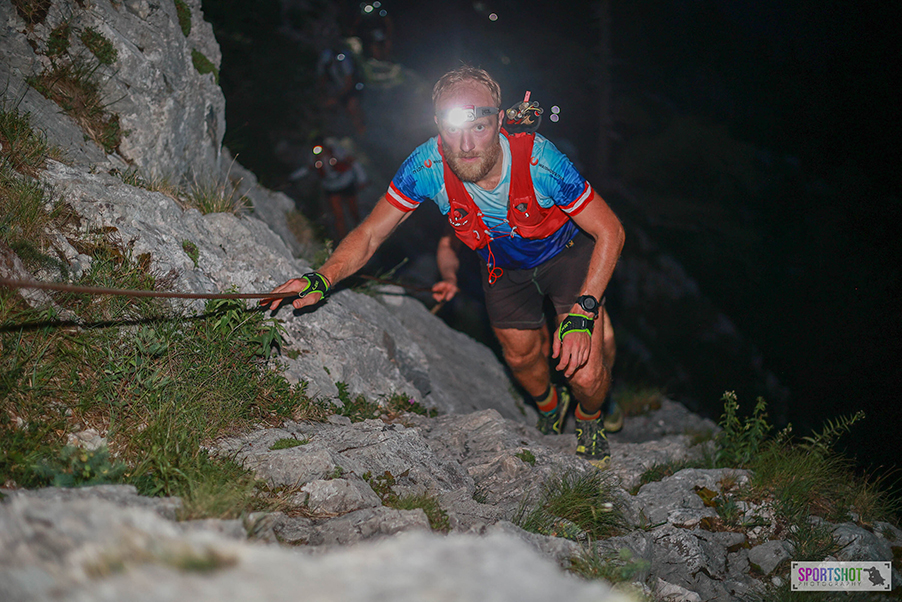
x=588, y=303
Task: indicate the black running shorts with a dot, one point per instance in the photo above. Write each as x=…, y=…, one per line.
x=516, y=299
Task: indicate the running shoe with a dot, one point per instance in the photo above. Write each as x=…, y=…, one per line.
x=613, y=417
x=592, y=443
x=553, y=421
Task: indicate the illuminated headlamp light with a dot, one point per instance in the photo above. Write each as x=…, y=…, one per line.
x=457, y=116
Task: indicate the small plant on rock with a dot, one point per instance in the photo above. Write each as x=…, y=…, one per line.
x=740, y=440
x=577, y=506
x=99, y=46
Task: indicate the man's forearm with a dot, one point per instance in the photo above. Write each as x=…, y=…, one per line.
x=446, y=258
x=362, y=242
x=601, y=224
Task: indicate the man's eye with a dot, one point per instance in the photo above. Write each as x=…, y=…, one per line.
x=452, y=130
x=481, y=128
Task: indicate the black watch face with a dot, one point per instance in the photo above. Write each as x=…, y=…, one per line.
x=588, y=303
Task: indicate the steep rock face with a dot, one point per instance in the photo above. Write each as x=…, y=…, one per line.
x=172, y=116
x=352, y=338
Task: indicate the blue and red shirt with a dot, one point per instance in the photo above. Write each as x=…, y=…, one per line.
x=554, y=178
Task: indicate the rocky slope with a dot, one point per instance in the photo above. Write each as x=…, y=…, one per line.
x=107, y=543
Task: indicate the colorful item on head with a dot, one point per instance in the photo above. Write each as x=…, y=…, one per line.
x=457, y=116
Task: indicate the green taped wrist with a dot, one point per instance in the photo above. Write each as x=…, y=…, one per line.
x=316, y=283
x=575, y=323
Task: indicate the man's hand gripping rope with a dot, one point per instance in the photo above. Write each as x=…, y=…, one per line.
x=311, y=288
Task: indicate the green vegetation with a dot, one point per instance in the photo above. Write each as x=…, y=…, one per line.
x=73, y=86
x=360, y=409
x=383, y=484
x=161, y=386
x=58, y=42
x=740, y=441
x=100, y=46
x=204, y=65
x=287, y=443
x=577, y=506
x=191, y=250
x=527, y=456
x=214, y=195
x=622, y=568
x=183, y=12
x=21, y=147
x=75, y=467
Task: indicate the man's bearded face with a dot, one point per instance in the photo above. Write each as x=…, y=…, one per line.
x=474, y=165
x=472, y=148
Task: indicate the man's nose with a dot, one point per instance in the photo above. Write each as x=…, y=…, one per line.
x=467, y=142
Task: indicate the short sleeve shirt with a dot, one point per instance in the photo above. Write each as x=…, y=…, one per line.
x=555, y=179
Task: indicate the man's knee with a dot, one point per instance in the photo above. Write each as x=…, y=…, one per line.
x=522, y=349
x=591, y=378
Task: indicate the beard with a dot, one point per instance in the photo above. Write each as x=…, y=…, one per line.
x=476, y=170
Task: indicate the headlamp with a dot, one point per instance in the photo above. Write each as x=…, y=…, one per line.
x=457, y=116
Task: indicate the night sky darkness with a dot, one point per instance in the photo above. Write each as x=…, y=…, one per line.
x=798, y=245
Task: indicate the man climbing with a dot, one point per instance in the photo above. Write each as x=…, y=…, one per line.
x=541, y=231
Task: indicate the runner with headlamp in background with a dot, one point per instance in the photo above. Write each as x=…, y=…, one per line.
x=541, y=231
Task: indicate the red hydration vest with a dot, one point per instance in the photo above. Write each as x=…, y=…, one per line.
x=524, y=214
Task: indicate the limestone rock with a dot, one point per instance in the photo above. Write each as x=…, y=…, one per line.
x=765, y=557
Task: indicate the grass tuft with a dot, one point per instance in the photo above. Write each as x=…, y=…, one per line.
x=577, y=506
x=22, y=148
x=74, y=88
x=383, y=484
x=100, y=46
x=214, y=196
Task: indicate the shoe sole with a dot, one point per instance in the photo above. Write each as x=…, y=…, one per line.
x=563, y=405
x=602, y=464
x=616, y=420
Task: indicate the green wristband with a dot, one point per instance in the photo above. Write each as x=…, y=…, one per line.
x=575, y=323
x=316, y=283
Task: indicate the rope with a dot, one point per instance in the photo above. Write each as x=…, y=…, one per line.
x=96, y=290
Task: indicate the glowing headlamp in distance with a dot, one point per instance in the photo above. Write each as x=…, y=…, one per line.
x=457, y=116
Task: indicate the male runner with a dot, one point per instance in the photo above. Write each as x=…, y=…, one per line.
x=560, y=240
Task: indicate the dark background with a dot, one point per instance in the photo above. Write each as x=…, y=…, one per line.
x=760, y=138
